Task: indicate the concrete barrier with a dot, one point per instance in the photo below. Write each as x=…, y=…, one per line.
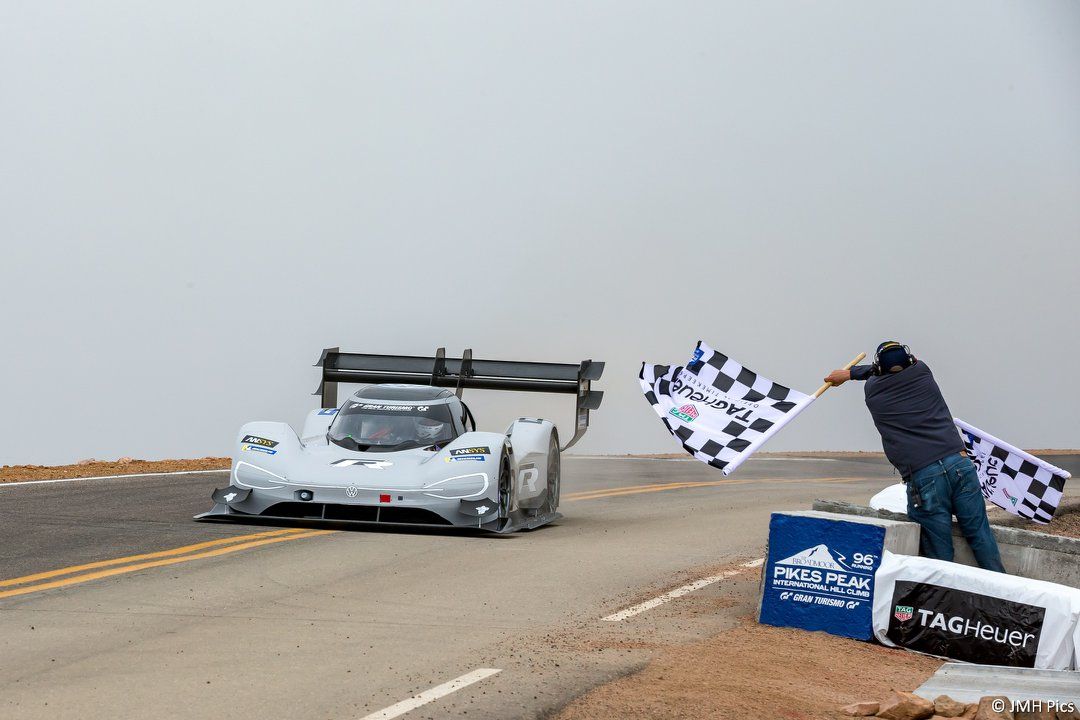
x=969, y=683
x=1023, y=552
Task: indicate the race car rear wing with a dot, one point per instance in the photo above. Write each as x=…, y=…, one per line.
x=463, y=373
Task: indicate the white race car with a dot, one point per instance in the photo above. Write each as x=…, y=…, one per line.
x=404, y=448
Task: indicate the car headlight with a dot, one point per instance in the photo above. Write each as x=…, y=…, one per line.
x=458, y=487
x=253, y=476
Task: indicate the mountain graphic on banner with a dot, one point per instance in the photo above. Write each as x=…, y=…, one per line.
x=819, y=556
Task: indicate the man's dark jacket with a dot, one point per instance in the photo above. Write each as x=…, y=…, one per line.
x=915, y=423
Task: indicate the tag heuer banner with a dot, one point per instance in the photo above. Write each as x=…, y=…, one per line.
x=973, y=615
x=719, y=410
x=1012, y=479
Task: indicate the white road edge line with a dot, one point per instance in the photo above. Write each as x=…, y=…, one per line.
x=108, y=477
x=199, y=472
x=434, y=693
x=680, y=591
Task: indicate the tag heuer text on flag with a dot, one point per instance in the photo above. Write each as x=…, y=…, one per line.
x=719, y=410
x=1012, y=479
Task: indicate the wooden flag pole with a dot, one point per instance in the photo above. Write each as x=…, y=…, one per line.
x=859, y=358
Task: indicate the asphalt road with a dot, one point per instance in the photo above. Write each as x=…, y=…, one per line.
x=343, y=624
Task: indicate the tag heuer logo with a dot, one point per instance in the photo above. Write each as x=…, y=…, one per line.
x=687, y=413
x=904, y=613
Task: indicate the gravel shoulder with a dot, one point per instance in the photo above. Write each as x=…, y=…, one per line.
x=97, y=468
x=755, y=671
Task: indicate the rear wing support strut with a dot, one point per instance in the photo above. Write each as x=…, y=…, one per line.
x=464, y=373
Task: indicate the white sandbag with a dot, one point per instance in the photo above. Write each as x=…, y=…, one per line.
x=1076, y=647
x=974, y=615
x=892, y=498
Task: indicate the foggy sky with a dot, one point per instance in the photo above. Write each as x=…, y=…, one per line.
x=195, y=198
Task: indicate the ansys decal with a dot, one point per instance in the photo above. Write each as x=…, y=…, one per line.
x=470, y=453
x=256, y=440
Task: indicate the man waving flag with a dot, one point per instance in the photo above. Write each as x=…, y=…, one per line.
x=720, y=410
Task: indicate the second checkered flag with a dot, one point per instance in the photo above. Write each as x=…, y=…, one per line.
x=1012, y=479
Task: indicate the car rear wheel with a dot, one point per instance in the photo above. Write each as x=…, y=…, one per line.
x=554, y=474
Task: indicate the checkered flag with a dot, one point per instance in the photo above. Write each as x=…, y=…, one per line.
x=719, y=410
x=1012, y=479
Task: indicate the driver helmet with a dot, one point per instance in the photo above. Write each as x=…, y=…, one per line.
x=383, y=428
x=429, y=428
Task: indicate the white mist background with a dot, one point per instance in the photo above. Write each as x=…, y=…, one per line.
x=196, y=198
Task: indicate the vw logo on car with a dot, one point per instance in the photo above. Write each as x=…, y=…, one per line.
x=351, y=491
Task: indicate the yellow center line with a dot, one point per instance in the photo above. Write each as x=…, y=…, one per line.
x=659, y=487
x=618, y=492
x=146, y=556
x=299, y=535
x=636, y=488
x=236, y=543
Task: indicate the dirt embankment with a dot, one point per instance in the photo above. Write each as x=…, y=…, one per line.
x=756, y=671
x=95, y=468
x=1066, y=520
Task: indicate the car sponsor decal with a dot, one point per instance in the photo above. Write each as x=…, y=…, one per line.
x=476, y=454
x=259, y=448
x=391, y=408
x=372, y=464
x=964, y=625
x=256, y=440
x=527, y=477
x=328, y=411
x=482, y=450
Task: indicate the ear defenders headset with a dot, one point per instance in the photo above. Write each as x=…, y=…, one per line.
x=908, y=361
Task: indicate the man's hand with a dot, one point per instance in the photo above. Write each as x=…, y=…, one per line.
x=838, y=377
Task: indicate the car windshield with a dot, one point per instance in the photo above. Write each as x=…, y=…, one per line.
x=375, y=427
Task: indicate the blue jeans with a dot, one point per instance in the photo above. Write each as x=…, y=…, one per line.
x=945, y=488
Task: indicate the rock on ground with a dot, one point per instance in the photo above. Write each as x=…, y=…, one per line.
x=986, y=709
x=861, y=709
x=946, y=707
x=906, y=706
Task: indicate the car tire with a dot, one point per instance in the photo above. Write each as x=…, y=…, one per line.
x=505, y=485
x=554, y=474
